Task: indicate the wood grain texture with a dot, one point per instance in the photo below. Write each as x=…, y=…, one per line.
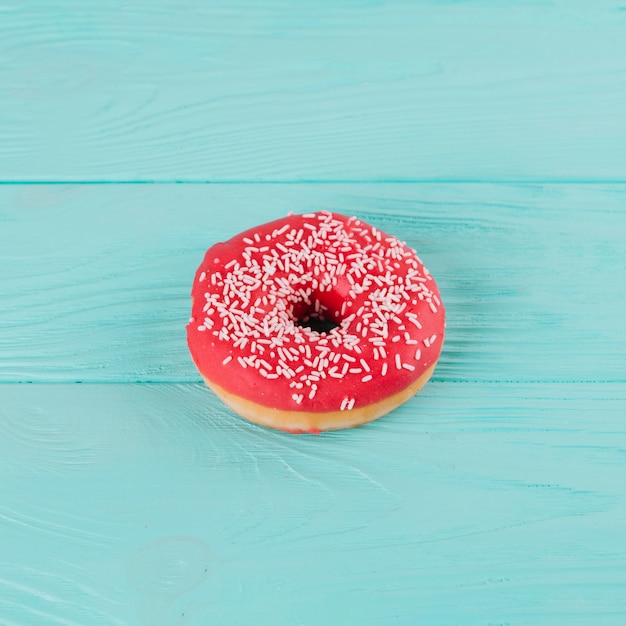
x=495, y=496
x=96, y=279
x=471, y=504
x=312, y=91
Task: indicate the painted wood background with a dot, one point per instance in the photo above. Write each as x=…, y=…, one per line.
x=491, y=136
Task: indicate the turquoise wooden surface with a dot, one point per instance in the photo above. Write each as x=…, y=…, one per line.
x=295, y=90
x=489, y=136
x=532, y=274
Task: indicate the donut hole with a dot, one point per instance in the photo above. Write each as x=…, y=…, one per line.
x=314, y=316
x=316, y=322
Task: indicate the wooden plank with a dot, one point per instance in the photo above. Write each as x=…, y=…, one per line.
x=471, y=504
x=96, y=279
x=372, y=91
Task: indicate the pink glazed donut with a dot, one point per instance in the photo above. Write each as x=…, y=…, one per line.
x=314, y=322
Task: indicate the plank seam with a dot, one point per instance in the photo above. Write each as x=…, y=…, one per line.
x=312, y=181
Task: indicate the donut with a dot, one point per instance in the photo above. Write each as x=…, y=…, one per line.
x=314, y=322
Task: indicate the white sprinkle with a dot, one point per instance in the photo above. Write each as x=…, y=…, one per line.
x=414, y=321
x=409, y=367
x=418, y=355
x=202, y=277
x=227, y=360
x=366, y=379
x=384, y=368
x=398, y=362
x=427, y=342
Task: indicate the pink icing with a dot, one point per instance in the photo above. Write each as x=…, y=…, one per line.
x=251, y=293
